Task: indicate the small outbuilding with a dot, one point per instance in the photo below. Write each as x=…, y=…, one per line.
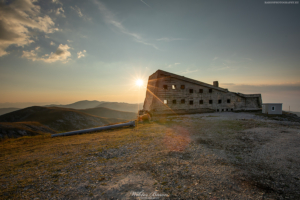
x=272, y=108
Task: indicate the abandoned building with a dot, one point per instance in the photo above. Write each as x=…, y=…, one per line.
x=169, y=93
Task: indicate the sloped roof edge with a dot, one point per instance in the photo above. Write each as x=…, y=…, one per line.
x=190, y=80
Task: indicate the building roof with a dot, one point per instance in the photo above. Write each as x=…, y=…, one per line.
x=190, y=80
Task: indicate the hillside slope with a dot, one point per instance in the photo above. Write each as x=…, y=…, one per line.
x=78, y=105
x=127, y=107
x=59, y=119
x=18, y=129
x=106, y=112
x=7, y=110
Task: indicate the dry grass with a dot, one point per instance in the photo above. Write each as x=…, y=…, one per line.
x=24, y=160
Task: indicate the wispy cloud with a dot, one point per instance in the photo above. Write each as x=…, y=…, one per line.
x=172, y=65
x=77, y=10
x=18, y=19
x=62, y=54
x=231, y=63
x=111, y=19
x=52, y=43
x=81, y=54
x=188, y=71
x=169, y=39
x=145, y=3
x=79, y=13
x=59, y=11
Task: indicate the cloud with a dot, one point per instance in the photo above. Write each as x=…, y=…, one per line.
x=52, y=43
x=110, y=19
x=17, y=20
x=60, y=11
x=81, y=54
x=77, y=10
x=172, y=65
x=265, y=88
x=61, y=54
x=188, y=71
x=145, y=3
x=167, y=39
x=57, y=2
x=69, y=41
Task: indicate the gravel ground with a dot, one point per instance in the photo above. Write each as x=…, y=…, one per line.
x=201, y=156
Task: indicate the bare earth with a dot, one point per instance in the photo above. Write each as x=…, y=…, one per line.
x=201, y=156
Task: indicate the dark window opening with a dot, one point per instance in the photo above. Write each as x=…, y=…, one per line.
x=182, y=87
x=222, y=110
x=182, y=101
x=191, y=91
x=200, y=90
x=174, y=101
x=220, y=101
x=226, y=109
x=210, y=90
x=228, y=100
x=165, y=87
x=231, y=109
x=173, y=87
x=217, y=110
x=191, y=102
x=210, y=101
x=165, y=101
x=201, y=101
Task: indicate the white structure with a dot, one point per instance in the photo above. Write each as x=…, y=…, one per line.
x=272, y=108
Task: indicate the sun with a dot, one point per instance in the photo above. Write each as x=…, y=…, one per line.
x=139, y=82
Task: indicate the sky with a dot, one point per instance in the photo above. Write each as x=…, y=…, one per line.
x=62, y=51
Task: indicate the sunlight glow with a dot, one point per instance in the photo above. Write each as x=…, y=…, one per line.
x=139, y=82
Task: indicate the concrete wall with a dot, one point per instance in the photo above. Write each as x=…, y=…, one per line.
x=156, y=104
x=268, y=109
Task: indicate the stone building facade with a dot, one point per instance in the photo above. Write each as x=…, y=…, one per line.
x=169, y=93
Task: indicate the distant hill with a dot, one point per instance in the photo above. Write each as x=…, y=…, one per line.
x=297, y=113
x=59, y=119
x=79, y=104
x=7, y=110
x=122, y=106
x=18, y=129
x=106, y=112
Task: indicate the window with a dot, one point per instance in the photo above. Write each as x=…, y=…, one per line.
x=217, y=110
x=191, y=102
x=165, y=101
x=222, y=110
x=182, y=87
x=273, y=108
x=165, y=87
x=191, y=91
x=210, y=90
x=226, y=109
x=182, y=101
x=231, y=109
x=173, y=87
x=174, y=101
x=201, y=102
x=228, y=100
x=200, y=90
x=210, y=101
x=220, y=101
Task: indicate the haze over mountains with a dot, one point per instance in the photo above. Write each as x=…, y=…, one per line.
x=62, y=118
x=85, y=104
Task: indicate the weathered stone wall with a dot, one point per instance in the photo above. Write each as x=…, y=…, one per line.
x=169, y=89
